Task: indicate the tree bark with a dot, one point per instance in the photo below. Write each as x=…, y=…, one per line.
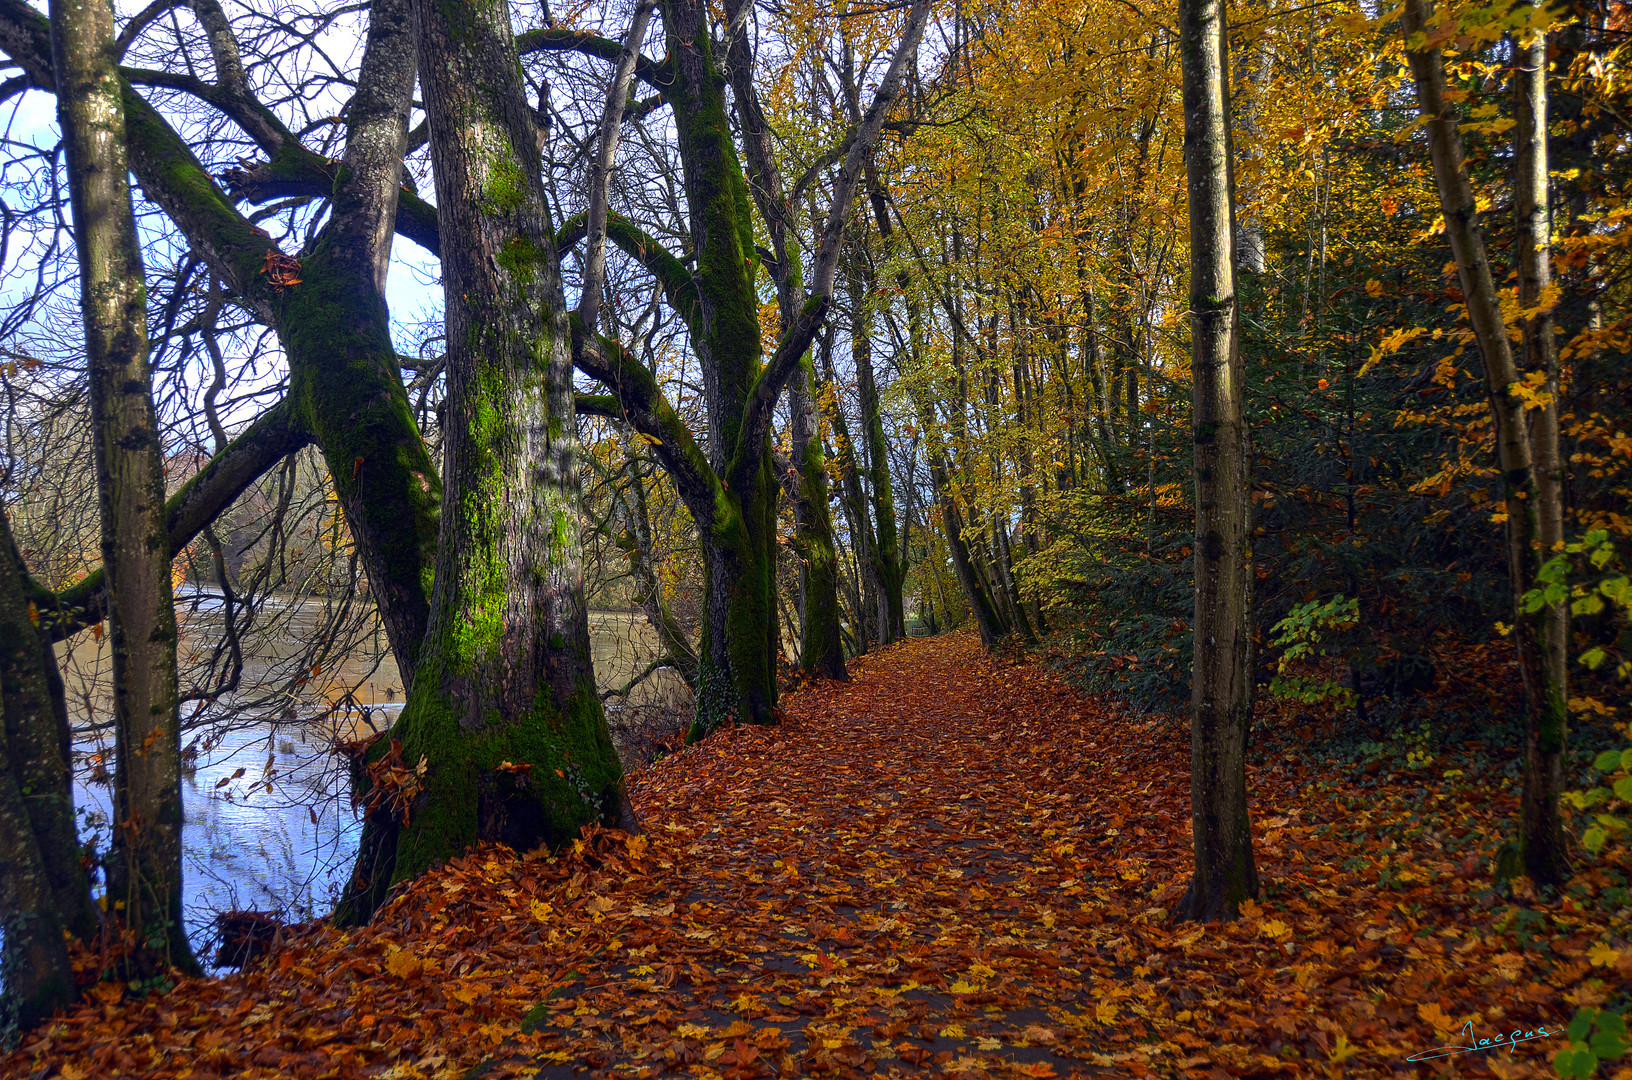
x=1548, y=688
x=43, y=888
x=1221, y=687
x=821, y=643
x=502, y=736
x=144, y=869
x=1540, y=848
x=821, y=648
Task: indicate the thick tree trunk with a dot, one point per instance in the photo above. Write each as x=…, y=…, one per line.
x=821, y=647
x=344, y=378
x=144, y=871
x=1547, y=679
x=1221, y=686
x=1541, y=849
x=43, y=888
x=737, y=680
x=502, y=736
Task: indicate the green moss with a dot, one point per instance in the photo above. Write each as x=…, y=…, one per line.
x=574, y=780
x=519, y=258
x=505, y=190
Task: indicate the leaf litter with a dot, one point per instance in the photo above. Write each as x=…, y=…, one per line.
x=954, y=866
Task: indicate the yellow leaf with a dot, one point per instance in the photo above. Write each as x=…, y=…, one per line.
x=465, y=995
x=1105, y=1012
x=541, y=911
x=961, y=987
x=953, y=1031
x=645, y=911
x=691, y=1031
x=402, y=963
x=1343, y=1051
x=1275, y=928
x=1431, y=1013
x=1601, y=955
x=989, y=1044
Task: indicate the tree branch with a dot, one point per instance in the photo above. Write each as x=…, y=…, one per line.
x=638, y=401
x=600, y=168
x=271, y=438
x=651, y=73
x=678, y=284
x=798, y=336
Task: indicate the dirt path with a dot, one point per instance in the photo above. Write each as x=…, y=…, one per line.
x=890, y=882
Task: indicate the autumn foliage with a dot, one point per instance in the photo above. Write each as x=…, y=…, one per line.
x=954, y=866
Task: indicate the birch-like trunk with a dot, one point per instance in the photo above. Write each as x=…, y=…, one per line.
x=1547, y=682
x=1540, y=848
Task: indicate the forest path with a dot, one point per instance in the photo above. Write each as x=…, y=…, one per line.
x=896, y=880
x=952, y=866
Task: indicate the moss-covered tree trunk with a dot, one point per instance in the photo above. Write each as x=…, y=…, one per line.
x=736, y=679
x=502, y=736
x=821, y=645
x=144, y=871
x=43, y=889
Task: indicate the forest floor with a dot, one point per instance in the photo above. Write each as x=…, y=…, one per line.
x=953, y=866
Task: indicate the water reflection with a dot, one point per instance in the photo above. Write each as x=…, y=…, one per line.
x=269, y=823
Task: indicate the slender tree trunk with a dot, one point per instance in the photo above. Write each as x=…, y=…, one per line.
x=1221, y=683
x=887, y=560
x=637, y=545
x=1540, y=849
x=144, y=871
x=502, y=736
x=43, y=889
x=821, y=648
x=1548, y=694
x=854, y=500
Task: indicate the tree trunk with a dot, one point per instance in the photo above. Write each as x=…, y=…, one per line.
x=344, y=378
x=502, y=736
x=821, y=648
x=43, y=888
x=144, y=871
x=854, y=500
x=887, y=563
x=1547, y=688
x=1541, y=842
x=1221, y=686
